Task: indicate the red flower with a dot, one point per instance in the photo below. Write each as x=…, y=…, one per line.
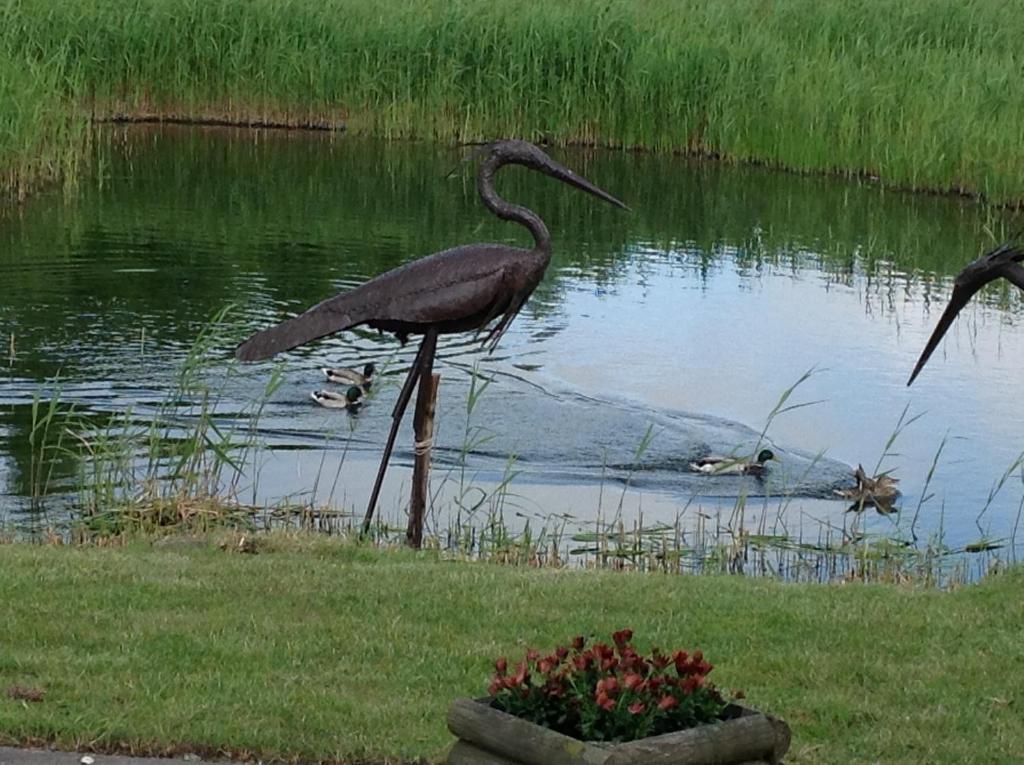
x=633, y=681
x=555, y=689
x=622, y=637
x=583, y=662
x=598, y=684
x=631, y=660
x=521, y=677
x=692, y=683
x=668, y=702
x=680, y=659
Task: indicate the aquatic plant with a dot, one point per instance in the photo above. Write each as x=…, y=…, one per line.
x=40, y=137
x=178, y=468
x=183, y=467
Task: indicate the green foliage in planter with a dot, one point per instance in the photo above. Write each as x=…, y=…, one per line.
x=606, y=693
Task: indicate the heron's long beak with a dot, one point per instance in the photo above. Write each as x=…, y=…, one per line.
x=564, y=174
x=968, y=283
x=960, y=297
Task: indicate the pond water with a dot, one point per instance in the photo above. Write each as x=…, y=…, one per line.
x=689, y=316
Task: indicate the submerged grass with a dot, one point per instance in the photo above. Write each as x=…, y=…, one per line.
x=318, y=650
x=923, y=94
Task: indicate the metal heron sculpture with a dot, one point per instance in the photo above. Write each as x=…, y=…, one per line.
x=1003, y=261
x=457, y=290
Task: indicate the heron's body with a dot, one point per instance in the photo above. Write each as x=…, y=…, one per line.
x=715, y=465
x=457, y=290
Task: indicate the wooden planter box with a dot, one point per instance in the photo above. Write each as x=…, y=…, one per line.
x=488, y=736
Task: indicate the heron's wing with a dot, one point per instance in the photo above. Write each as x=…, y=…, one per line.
x=332, y=315
x=444, y=287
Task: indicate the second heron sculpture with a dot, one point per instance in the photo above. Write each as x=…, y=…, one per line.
x=457, y=290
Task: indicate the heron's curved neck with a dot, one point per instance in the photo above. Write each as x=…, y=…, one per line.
x=506, y=210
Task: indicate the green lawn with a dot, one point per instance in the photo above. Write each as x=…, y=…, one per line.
x=319, y=650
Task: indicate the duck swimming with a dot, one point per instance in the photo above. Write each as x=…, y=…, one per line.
x=352, y=399
x=879, y=492
x=713, y=465
x=349, y=376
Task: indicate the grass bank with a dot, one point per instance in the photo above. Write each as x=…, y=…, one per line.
x=315, y=649
x=40, y=137
x=923, y=94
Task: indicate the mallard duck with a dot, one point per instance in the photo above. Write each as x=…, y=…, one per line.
x=714, y=465
x=349, y=376
x=878, y=492
x=352, y=399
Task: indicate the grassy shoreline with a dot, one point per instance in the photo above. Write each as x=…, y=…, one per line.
x=316, y=650
x=921, y=95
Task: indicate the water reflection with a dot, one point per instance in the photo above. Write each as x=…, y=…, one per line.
x=720, y=289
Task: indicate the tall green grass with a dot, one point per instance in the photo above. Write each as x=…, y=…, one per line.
x=924, y=93
x=40, y=139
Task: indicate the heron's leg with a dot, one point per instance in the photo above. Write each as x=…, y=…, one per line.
x=410, y=382
x=427, y=347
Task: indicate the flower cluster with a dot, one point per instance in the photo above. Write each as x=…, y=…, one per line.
x=608, y=692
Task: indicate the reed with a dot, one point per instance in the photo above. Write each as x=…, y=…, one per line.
x=183, y=468
x=923, y=94
x=178, y=473
x=40, y=138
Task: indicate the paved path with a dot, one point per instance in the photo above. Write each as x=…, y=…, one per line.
x=46, y=757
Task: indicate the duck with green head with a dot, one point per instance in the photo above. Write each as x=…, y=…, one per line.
x=352, y=399
x=714, y=465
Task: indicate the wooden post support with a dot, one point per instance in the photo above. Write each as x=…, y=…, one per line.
x=423, y=426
